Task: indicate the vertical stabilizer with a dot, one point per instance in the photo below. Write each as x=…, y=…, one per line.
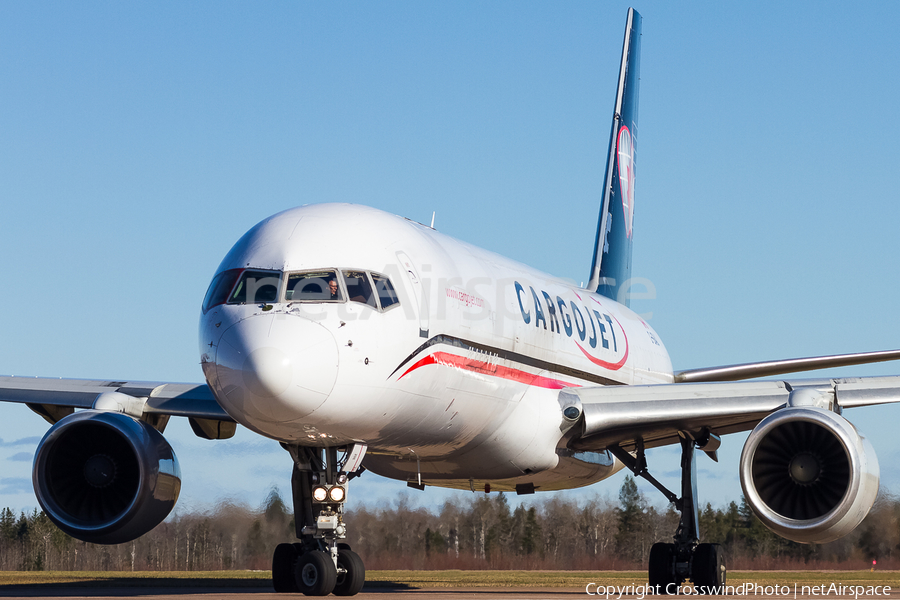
x=611, y=268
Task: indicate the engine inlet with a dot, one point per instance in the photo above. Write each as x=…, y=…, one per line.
x=801, y=470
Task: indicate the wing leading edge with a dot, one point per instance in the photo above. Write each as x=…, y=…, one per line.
x=654, y=415
x=771, y=368
x=153, y=402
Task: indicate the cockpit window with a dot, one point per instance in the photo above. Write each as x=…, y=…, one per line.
x=218, y=290
x=319, y=286
x=386, y=294
x=255, y=287
x=334, y=285
x=358, y=288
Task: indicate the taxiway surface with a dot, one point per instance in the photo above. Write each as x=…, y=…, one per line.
x=480, y=593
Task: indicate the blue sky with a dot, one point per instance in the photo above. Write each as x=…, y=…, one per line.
x=138, y=141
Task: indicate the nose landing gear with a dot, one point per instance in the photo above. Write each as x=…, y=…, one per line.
x=671, y=564
x=320, y=564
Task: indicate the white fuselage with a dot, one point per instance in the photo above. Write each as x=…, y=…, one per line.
x=457, y=383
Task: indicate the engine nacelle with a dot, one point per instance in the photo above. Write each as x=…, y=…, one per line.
x=808, y=474
x=104, y=477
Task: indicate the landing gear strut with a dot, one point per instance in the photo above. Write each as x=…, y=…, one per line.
x=320, y=563
x=670, y=565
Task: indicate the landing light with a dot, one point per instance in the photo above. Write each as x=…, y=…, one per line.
x=572, y=413
x=320, y=494
x=337, y=494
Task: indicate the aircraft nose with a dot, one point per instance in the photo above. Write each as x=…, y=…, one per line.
x=275, y=368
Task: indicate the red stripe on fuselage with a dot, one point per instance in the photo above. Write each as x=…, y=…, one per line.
x=478, y=366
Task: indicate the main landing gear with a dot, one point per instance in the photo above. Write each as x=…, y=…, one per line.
x=670, y=565
x=320, y=563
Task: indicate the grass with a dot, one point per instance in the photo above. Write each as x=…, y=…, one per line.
x=200, y=579
x=578, y=579
x=432, y=579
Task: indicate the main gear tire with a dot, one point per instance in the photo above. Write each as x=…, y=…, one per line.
x=708, y=569
x=662, y=568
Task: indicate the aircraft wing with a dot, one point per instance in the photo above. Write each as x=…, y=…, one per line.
x=54, y=399
x=653, y=415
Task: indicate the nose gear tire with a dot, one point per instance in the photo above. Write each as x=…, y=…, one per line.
x=315, y=574
x=351, y=581
x=283, y=561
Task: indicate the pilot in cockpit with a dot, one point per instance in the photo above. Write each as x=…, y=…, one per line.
x=333, y=287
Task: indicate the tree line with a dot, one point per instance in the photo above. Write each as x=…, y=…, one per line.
x=477, y=532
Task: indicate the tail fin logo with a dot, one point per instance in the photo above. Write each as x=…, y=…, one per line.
x=625, y=152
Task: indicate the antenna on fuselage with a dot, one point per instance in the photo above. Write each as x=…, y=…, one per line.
x=432, y=218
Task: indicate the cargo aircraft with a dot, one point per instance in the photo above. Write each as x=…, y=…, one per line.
x=425, y=359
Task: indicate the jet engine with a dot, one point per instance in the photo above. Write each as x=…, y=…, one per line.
x=105, y=477
x=808, y=474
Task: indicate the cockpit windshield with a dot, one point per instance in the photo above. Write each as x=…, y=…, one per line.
x=256, y=287
x=341, y=285
x=358, y=288
x=318, y=286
